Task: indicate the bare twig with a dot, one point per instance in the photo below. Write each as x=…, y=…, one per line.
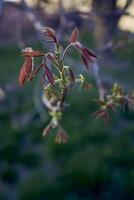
x=128, y=2
x=38, y=26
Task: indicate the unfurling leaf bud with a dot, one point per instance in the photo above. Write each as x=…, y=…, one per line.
x=111, y=106
x=28, y=66
x=22, y=77
x=25, y=71
x=47, y=130
x=61, y=136
x=102, y=113
x=74, y=35
x=88, y=53
x=50, y=34
x=87, y=56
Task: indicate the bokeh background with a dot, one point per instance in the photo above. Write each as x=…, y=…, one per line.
x=97, y=163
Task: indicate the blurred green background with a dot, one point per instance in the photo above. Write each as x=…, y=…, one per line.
x=97, y=163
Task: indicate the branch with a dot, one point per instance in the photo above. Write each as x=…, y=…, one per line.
x=128, y=2
x=96, y=73
x=38, y=26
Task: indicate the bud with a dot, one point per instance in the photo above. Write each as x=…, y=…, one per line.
x=28, y=66
x=102, y=114
x=47, y=130
x=74, y=35
x=22, y=77
x=61, y=137
x=111, y=106
x=50, y=34
x=88, y=53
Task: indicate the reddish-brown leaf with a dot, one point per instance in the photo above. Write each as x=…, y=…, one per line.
x=111, y=106
x=98, y=113
x=74, y=35
x=33, y=54
x=61, y=137
x=89, y=52
x=28, y=66
x=22, y=76
x=85, y=61
x=49, y=32
x=106, y=117
x=47, y=130
x=25, y=71
x=86, y=55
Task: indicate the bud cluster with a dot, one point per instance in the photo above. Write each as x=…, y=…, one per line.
x=117, y=98
x=58, y=79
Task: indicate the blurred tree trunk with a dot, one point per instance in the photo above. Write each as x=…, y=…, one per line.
x=105, y=20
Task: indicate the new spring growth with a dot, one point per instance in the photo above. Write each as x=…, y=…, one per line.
x=116, y=99
x=58, y=79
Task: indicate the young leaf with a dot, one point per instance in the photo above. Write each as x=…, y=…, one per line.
x=61, y=137
x=85, y=61
x=33, y=54
x=22, y=77
x=28, y=66
x=49, y=32
x=88, y=53
x=74, y=35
